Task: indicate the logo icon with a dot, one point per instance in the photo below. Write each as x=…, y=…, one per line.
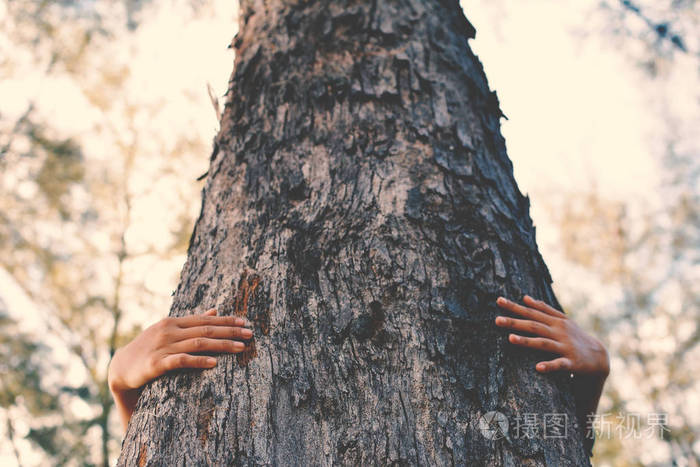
x=493, y=425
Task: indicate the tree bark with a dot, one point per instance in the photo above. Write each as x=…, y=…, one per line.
x=361, y=211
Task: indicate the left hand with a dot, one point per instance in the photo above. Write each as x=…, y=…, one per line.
x=580, y=353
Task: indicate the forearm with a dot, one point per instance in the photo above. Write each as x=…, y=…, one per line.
x=587, y=392
x=125, y=397
x=588, y=387
x=125, y=403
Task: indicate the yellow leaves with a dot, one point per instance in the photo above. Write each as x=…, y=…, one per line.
x=108, y=80
x=593, y=232
x=62, y=167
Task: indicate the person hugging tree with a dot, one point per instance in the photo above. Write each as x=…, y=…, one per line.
x=580, y=354
x=170, y=344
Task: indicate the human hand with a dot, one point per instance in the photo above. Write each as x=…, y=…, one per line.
x=580, y=353
x=168, y=345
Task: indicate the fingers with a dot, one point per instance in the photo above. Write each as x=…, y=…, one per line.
x=540, y=343
x=209, y=320
x=183, y=360
x=523, y=311
x=542, y=306
x=211, y=312
x=203, y=344
x=215, y=332
x=561, y=363
x=532, y=327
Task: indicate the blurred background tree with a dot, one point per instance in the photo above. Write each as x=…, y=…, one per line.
x=99, y=195
x=646, y=248
x=649, y=256
x=106, y=124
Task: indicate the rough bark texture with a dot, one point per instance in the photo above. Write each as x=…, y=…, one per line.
x=361, y=210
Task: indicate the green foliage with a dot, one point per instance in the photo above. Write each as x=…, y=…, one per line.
x=65, y=212
x=653, y=332
x=62, y=167
x=64, y=443
x=22, y=368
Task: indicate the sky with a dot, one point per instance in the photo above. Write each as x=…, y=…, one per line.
x=581, y=115
x=577, y=109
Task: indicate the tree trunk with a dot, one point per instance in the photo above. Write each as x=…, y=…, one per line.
x=361, y=210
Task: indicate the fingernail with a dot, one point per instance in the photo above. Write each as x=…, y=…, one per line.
x=500, y=320
x=541, y=366
x=211, y=361
x=514, y=337
x=246, y=332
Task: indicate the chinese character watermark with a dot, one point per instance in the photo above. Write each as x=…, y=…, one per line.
x=496, y=425
x=554, y=425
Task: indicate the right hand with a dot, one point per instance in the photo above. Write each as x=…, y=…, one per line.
x=168, y=344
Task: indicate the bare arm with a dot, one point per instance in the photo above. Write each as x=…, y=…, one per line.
x=166, y=346
x=580, y=353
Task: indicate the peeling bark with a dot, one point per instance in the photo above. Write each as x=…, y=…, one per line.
x=361, y=211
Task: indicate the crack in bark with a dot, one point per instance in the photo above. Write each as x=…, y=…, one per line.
x=409, y=424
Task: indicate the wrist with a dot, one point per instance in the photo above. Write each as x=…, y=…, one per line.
x=115, y=382
x=586, y=384
x=604, y=362
x=124, y=396
x=600, y=369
